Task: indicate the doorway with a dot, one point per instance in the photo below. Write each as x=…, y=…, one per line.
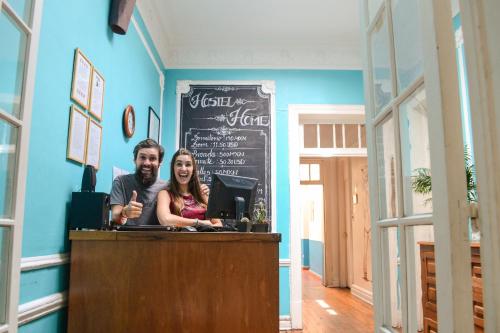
x=342, y=128
x=336, y=252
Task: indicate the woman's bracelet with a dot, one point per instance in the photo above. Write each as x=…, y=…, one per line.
x=196, y=222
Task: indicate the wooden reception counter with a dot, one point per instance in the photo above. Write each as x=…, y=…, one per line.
x=157, y=281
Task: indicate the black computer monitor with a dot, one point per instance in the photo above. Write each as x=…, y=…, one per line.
x=231, y=197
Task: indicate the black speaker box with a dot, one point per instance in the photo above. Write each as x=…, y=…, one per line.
x=88, y=179
x=89, y=210
x=119, y=15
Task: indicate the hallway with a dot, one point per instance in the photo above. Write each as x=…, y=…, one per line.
x=332, y=309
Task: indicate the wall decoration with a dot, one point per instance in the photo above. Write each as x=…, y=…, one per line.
x=96, y=95
x=77, y=136
x=82, y=71
x=227, y=126
x=94, y=140
x=129, y=121
x=154, y=125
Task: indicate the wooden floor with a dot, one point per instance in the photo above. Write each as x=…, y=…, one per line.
x=332, y=309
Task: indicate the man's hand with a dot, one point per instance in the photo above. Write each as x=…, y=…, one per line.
x=133, y=209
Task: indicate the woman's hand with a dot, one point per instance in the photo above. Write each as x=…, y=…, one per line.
x=205, y=191
x=216, y=222
x=205, y=222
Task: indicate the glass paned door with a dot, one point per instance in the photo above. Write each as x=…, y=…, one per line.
x=412, y=136
x=19, y=30
x=12, y=64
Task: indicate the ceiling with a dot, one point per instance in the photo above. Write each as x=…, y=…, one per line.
x=281, y=34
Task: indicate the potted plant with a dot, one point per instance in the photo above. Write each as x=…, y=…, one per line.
x=261, y=223
x=421, y=183
x=244, y=225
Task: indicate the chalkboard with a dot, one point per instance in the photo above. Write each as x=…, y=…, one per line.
x=227, y=127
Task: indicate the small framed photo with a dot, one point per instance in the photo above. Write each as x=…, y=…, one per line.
x=154, y=125
x=96, y=95
x=94, y=140
x=77, y=136
x=82, y=71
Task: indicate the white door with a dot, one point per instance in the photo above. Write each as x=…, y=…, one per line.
x=414, y=127
x=19, y=29
x=481, y=27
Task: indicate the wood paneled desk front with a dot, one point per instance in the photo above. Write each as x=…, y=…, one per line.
x=173, y=282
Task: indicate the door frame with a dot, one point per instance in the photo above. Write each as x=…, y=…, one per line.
x=294, y=111
x=32, y=30
x=480, y=28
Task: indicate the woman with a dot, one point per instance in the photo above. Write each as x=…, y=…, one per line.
x=184, y=203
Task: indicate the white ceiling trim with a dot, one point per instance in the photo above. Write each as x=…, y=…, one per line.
x=189, y=53
x=268, y=58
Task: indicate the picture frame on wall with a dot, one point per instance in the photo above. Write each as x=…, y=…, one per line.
x=77, y=135
x=96, y=103
x=93, y=147
x=82, y=72
x=154, y=125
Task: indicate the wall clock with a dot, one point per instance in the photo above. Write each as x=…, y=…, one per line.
x=129, y=121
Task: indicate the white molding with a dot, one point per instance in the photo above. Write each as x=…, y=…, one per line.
x=294, y=112
x=331, y=152
x=41, y=307
x=154, y=22
x=328, y=109
x=254, y=57
x=285, y=323
x=161, y=77
x=362, y=293
x=146, y=45
x=31, y=263
x=4, y=328
x=285, y=262
x=336, y=283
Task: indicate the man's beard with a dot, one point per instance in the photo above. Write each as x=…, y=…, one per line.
x=146, y=179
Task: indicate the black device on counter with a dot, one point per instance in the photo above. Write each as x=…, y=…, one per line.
x=231, y=197
x=89, y=209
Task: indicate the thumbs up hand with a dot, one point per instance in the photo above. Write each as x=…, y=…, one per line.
x=133, y=209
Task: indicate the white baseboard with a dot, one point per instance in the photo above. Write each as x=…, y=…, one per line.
x=316, y=274
x=41, y=307
x=285, y=323
x=362, y=293
x=31, y=263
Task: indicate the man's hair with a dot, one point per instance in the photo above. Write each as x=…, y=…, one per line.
x=149, y=143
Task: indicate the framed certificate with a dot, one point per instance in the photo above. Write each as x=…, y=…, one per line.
x=96, y=95
x=94, y=140
x=77, y=136
x=154, y=125
x=82, y=71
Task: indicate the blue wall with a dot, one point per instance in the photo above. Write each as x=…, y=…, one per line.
x=130, y=77
x=305, y=253
x=316, y=250
x=312, y=255
x=292, y=87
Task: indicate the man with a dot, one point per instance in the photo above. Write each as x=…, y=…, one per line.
x=133, y=197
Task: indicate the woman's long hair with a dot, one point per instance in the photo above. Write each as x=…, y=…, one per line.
x=193, y=185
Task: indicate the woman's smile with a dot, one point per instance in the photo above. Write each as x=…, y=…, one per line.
x=183, y=168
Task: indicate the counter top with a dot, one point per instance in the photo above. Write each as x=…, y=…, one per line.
x=113, y=235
